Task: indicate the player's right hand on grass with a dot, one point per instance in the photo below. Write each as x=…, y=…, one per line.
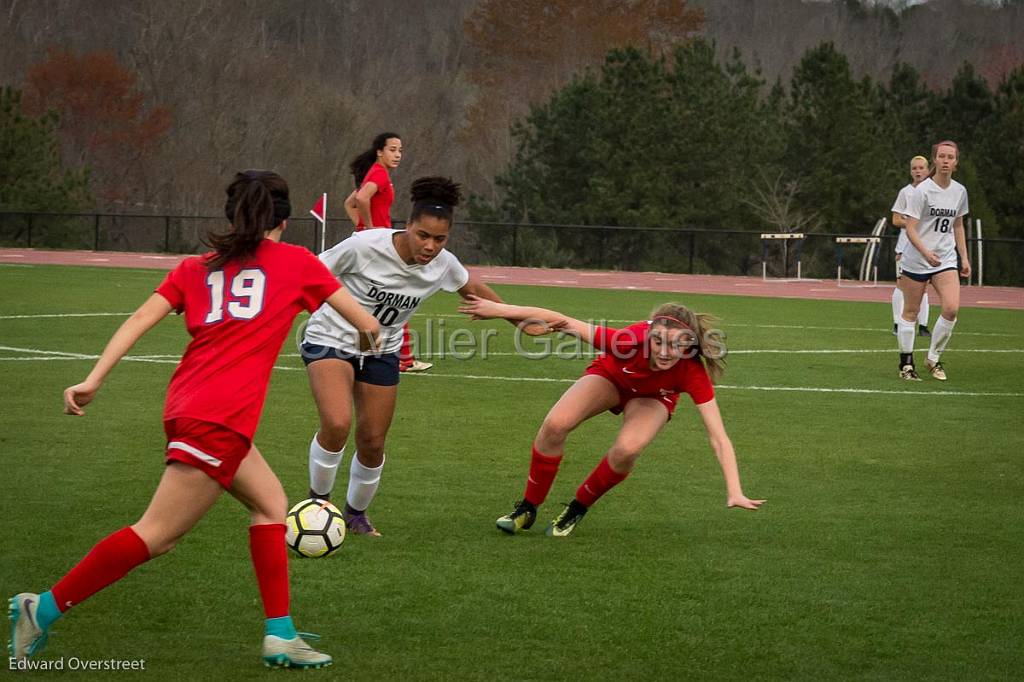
x=744, y=502
x=78, y=396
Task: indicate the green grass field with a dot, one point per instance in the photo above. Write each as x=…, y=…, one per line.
x=890, y=547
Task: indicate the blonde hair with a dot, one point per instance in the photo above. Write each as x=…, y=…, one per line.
x=919, y=157
x=678, y=316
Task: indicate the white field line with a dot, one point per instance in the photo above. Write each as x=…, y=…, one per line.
x=60, y=355
x=34, y=317
x=880, y=329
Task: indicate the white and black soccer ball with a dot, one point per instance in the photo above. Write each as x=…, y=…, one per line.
x=315, y=528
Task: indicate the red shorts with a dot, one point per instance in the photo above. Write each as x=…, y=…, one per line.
x=215, y=450
x=625, y=395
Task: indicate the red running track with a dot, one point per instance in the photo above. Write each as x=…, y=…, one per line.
x=979, y=297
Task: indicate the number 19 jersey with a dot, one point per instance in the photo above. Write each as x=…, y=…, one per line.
x=936, y=211
x=238, y=316
x=386, y=286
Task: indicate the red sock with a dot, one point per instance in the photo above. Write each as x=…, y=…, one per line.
x=405, y=354
x=270, y=559
x=543, y=469
x=601, y=480
x=107, y=562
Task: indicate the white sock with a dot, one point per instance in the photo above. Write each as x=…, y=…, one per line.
x=905, y=332
x=362, y=484
x=323, y=467
x=897, y=305
x=922, y=315
x=940, y=337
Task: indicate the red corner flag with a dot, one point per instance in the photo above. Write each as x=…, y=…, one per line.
x=319, y=212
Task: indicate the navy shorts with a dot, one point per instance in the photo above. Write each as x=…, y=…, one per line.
x=379, y=370
x=928, y=275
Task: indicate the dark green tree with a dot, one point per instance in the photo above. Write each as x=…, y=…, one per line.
x=999, y=151
x=833, y=143
x=962, y=108
x=31, y=177
x=648, y=141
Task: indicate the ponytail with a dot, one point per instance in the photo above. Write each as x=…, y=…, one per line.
x=257, y=202
x=706, y=338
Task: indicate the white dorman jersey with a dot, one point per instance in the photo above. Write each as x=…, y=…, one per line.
x=936, y=210
x=900, y=206
x=370, y=268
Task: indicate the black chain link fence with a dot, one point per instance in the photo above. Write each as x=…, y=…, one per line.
x=635, y=249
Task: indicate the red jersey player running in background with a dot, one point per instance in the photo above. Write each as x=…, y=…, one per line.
x=239, y=303
x=643, y=369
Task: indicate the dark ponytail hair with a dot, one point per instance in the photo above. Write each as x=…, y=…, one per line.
x=361, y=164
x=257, y=203
x=434, y=196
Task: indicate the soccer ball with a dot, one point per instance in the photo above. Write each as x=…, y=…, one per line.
x=315, y=528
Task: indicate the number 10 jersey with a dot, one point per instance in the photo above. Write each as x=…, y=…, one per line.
x=390, y=289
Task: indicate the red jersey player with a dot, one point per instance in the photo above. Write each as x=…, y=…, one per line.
x=369, y=205
x=640, y=374
x=239, y=303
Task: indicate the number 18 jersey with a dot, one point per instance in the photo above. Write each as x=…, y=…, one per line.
x=936, y=210
x=386, y=286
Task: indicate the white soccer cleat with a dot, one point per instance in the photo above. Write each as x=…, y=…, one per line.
x=292, y=653
x=26, y=636
x=908, y=373
x=936, y=370
x=417, y=366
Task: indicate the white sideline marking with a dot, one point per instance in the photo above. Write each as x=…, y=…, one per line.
x=32, y=317
x=798, y=389
x=12, y=255
x=880, y=329
x=60, y=355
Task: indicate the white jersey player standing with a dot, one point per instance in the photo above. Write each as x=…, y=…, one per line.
x=918, y=172
x=390, y=273
x=936, y=252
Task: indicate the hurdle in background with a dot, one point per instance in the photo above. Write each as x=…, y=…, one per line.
x=785, y=237
x=872, y=243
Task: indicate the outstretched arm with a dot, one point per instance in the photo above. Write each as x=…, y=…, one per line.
x=142, y=320
x=549, y=320
x=722, y=446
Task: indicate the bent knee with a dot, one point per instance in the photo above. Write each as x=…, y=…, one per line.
x=622, y=457
x=333, y=434
x=272, y=509
x=158, y=544
x=556, y=428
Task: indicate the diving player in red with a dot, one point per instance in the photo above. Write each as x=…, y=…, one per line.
x=640, y=374
x=239, y=303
